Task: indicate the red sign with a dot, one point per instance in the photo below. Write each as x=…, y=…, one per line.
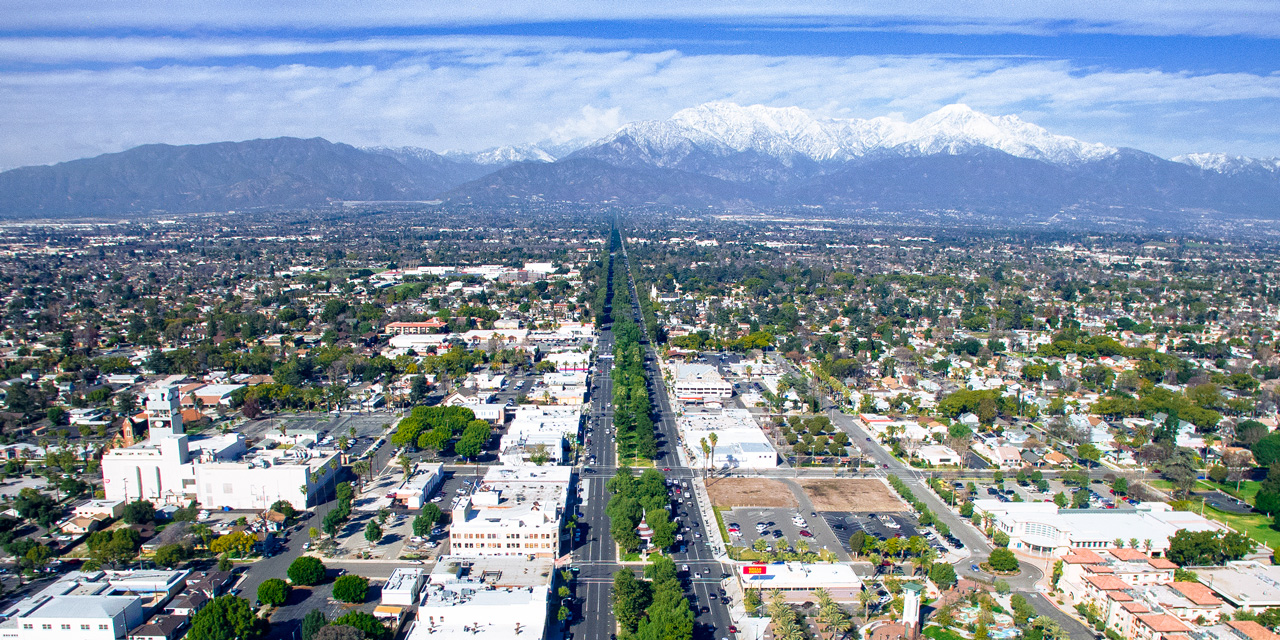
x=754, y=570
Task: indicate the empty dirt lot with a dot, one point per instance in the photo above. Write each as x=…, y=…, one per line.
x=750, y=492
x=855, y=496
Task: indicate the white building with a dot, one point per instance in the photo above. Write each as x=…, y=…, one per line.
x=402, y=587
x=1041, y=527
x=485, y=598
x=939, y=455
x=169, y=467
x=259, y=479
x=740, y=443
x=414, y=492
x=91, y=605
x=516, y=511
x=538, y=431
x=699, y=383
x=569, y=360
x=797, y=580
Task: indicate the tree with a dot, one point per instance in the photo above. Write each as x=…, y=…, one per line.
x=1089, y=452
x=1218, y=474
x=1060, y=499
x=339, y=632
x=236, y=543
x=284, y=508
x=114, y=547
x=227, y=618
x=425, y=521
x=139, y=512
x=943, y=575
x=311, y=623
x=1267, y=450
x=170, y=555
x=1207, y=547
x=1000, y=539
x=372, y=532
x=1003, y=560
x=372, y=627
x=352, y=589
x=1180, y=469
x=630, y=598
x=273, y=591
x=306, y=571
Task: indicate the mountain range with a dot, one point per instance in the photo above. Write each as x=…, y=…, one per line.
x=715, y=154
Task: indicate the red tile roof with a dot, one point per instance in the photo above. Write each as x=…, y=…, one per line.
x=1162, y=563
x=1082, y=556
x=1252, y=630
x=1197, y=593
x=1127, y=555
x=1108, y=583
x=1164, y=623
x=1135, y=607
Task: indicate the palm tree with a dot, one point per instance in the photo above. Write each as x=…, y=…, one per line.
x=406, y=465
x=360, y=468
x=713, y=439
x=865, y=598
x=706, y=456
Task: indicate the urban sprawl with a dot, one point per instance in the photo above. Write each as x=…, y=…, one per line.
x=418, y=422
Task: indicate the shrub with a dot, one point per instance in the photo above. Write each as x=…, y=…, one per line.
x=306, y=571
x=372, y=627
x=274, y=592
x=1003, y=560
x=350, y=589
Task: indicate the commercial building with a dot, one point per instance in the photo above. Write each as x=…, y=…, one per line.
x=402, y=587
x=259, y=479
x=516, y=511
x=170, y=467
x=1244, y=585
x=100, y=605
x=539, y=433
x=939, y=455
x=1043, y=528
x=740, y=443
x=699, y=384
x=489, y=598
x=414, y=492
x=797, y=581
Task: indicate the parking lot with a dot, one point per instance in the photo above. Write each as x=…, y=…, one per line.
x=398, y=540
x=783, y=530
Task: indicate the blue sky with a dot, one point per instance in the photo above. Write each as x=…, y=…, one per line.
x=87, y=77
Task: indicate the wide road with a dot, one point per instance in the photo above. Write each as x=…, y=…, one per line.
x=707, y=586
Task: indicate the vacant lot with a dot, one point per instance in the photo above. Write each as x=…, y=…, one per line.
x=750, y=492
x=858, y=496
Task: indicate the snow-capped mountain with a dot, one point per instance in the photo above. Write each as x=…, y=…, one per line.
x=790, y=135
x=503, y=156
x=1228, y=164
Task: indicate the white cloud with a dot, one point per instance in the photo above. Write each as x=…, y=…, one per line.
x=480, y=98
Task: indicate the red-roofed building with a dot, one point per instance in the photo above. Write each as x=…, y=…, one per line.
x=1156, y=626
x=1252, y=630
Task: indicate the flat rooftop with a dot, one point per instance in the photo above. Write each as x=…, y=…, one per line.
x=1244, y=583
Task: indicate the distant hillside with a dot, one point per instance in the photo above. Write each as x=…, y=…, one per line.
x=218, y=177
x=717, y=154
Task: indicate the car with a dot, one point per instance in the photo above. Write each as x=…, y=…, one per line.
x=705, y=610
x=684, y=567
x=733, y=629
x=974, y=567
x=777, y=533
x=666, y=468
x=437, y=499
x=805, y=534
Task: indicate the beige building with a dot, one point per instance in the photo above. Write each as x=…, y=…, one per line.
x=516, y=511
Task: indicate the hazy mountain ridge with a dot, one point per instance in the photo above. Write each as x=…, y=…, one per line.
x=713, y=154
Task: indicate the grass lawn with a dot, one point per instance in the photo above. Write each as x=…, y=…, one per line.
x=1248, y=489
x=938, y=633
x=1256, y=525
x=1163, y=485
x=724, y=533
